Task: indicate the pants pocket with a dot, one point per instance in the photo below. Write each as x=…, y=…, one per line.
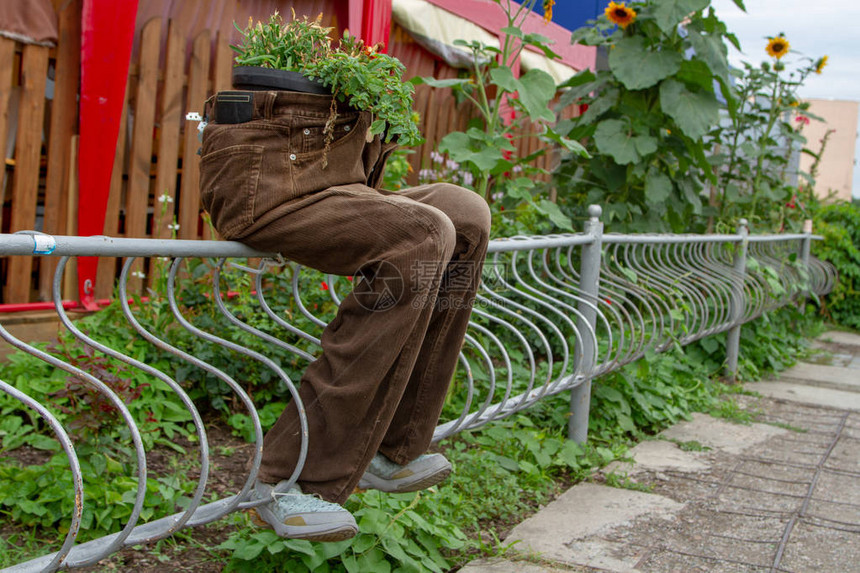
x=229, y=178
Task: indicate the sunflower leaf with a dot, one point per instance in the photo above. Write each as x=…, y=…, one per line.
x=658, y=187
x=669, y=13
x=615, y=137
x=638, y=67
x=694, y=112
x=537, y=88
x=712, y=51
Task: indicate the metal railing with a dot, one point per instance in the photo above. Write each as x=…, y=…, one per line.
x=553, y=313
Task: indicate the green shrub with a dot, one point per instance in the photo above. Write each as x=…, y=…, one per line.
x=840, y=226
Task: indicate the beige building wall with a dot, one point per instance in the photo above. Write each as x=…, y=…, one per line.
x=836, y=170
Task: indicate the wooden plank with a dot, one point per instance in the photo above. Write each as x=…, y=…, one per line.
x=222, y=79
x=107, y=266
x=189, y=196
x=70, y=276
x=140, y=154
x=7, y=53
x=28, y=150
x=168, y=139
x=222, y=70
x=430, y=125
x=415, y=159
x=64, y=114
x=140, y=157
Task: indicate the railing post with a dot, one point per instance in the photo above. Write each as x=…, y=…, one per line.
x=589, y=274
x=738, y=303
x=805, y=249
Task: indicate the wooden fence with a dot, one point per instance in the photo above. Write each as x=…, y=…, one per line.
x=155, y=176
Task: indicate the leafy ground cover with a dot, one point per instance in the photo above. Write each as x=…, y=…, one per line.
x=503, y=472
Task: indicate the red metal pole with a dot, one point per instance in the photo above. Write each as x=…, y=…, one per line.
x=106, y=39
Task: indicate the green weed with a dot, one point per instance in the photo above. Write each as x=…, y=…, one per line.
x=623, y=481
x=692, y=446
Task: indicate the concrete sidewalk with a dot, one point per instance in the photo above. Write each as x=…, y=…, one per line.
x=782, y=494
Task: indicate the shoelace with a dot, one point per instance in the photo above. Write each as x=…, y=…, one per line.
x=302, y=501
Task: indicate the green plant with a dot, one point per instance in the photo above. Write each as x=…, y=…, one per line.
x=397, y=169
x=789, y=427
x=644, y=119
x=624, y=481
x=21, y=545
x=654, y=392
x=669, y=150
x=839, y=225
x=41, y=496
x=357, y=74
x=692, y=446
x=504, y=102
x=729, y=409
x=394, y=530
x=756, y=144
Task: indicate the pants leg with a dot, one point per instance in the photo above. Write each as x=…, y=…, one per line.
x=411, y=429
x=369, y=350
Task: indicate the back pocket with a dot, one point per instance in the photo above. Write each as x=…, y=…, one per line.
x=229, y=178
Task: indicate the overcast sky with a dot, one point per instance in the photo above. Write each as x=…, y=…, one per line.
x=813, y=28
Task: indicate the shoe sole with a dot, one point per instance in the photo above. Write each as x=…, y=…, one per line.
x=329, y=535
x=406, y=485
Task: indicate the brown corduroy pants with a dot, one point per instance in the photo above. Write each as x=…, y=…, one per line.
x=390, y=352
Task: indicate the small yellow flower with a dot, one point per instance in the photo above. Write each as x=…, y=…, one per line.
x=819, y=65
x=620, y=14
x=777, y=47
x=547, y=10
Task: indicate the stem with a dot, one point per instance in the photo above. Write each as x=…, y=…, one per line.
x=772, y=116
x=734, y=148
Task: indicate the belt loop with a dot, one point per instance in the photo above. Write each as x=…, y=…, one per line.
x=269, y=104
x=207, y=108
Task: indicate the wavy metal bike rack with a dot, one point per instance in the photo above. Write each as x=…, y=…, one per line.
x=562, y=310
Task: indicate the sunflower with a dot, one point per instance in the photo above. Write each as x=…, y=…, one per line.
x=777, y=47
x=547, y=10
x=620, y=14
x=819, y=65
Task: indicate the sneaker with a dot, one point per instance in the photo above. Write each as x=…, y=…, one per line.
x=296, y=515
x=420, y=473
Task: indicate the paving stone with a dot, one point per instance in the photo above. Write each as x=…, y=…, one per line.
x=729, y=508
x=777, y=471
x=715, y=535
x=845, y=455
x=835, y=377
x=659, y=455
x=741, y=500
x=837, y=512
x=720, y=434
x=826, y=397
x=768, y=484
x=816, y=548
x=668, y=562
x=838, y=337
x=838, y=487
x=559, y=530
x=505, y=566
x=844, y=360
